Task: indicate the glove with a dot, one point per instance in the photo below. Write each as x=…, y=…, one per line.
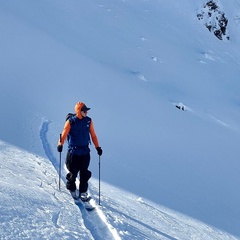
x=99, y=151
x=60, y=148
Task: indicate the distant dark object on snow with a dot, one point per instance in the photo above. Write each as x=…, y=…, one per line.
x=181, y=107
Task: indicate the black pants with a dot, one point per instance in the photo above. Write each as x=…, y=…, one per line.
x=78, y=164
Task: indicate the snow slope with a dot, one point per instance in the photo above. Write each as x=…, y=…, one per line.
x=32, y=207
x=176, y=172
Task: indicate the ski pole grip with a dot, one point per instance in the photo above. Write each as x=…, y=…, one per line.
x=60, y=138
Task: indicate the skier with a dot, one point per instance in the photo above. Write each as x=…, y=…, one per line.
x=78, y=129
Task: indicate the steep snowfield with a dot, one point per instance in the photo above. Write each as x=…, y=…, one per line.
x=32, y=207
x=167, y=173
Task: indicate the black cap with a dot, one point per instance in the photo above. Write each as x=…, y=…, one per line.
x=85, y=108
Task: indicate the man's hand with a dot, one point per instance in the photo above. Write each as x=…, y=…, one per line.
x=99, y=151
x=60, y=148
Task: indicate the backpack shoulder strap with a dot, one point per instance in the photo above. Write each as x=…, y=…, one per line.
x=71, y=118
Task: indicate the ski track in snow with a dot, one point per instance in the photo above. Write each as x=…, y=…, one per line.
x=95, y=221
x=46, y=146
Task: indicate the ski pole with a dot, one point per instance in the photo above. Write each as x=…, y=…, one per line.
x=60, y=165
x=99, y=181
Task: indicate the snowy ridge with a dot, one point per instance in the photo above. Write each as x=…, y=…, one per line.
x=31, y=205
x=95, y=221
x=34, y=208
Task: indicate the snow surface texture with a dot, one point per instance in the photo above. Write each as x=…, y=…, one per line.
x=164, y=98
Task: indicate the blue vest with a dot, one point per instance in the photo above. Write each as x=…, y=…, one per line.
x=79, y=135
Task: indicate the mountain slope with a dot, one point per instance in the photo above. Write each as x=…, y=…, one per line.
x=32, y=207
x=132, y=62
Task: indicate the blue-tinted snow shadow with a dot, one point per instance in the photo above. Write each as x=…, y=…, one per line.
x=135, y=232
x=131, y=232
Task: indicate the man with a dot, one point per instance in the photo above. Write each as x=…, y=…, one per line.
x=78, y=129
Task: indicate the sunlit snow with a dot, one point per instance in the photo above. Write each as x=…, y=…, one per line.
x=164, y=98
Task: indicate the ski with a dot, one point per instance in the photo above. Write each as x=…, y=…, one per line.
x=88, y=204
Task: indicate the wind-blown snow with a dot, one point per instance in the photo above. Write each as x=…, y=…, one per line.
x=166, y=173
